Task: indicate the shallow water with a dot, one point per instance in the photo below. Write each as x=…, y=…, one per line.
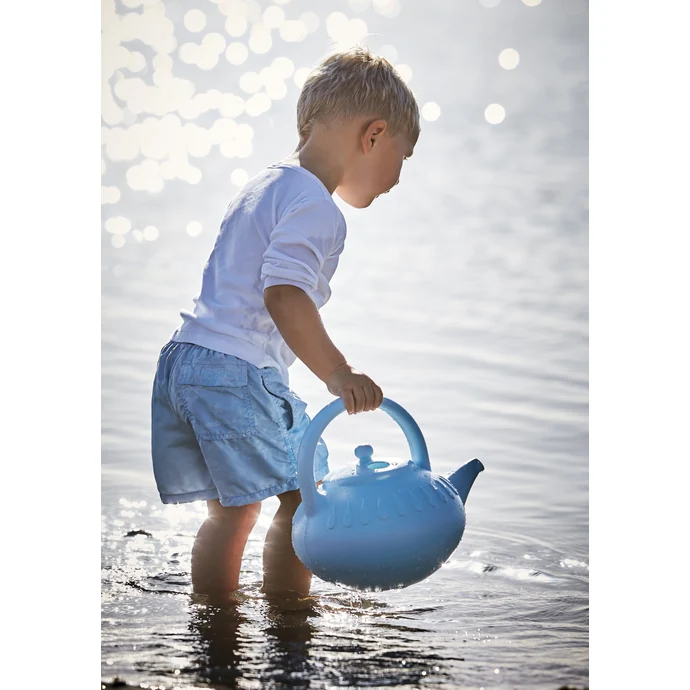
x=463, y=293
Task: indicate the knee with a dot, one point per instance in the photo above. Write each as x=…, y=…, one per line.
x=247, y=514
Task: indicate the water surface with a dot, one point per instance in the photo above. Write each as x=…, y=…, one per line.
x=463, y=293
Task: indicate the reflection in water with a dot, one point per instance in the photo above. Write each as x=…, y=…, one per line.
x=270, y=639
x=289, y=631
x=218, y=643
x=227, y=637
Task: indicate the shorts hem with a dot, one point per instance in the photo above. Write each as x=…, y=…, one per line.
x=290, y=485
x=205, y=495
x=244, y=499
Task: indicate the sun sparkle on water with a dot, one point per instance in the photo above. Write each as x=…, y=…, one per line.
x=152, y=102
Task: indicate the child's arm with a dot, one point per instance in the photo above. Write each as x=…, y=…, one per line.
x=297, y=318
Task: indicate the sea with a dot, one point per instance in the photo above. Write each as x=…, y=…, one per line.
x=463, y=293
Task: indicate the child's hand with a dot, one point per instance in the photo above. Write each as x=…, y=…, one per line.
x=357, y=390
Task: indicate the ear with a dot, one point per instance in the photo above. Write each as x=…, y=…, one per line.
x=373, y=132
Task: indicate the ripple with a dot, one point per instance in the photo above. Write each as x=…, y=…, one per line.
x=510, y=572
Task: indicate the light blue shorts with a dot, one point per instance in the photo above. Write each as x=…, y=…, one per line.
x=223, y=428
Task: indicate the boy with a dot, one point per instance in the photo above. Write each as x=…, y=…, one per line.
x=226, y=428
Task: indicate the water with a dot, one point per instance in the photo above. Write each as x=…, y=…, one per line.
x=463, y=293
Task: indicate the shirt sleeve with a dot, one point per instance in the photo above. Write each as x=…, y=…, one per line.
x=300, y=243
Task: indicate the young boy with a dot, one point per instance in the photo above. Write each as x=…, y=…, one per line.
x=226, y=428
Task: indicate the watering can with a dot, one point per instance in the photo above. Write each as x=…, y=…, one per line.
x=378, y=525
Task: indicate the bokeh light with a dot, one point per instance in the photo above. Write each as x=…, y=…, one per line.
x=431, y=111
x=343, y=31
x=245, y=131
x=531, y=3
x=387, y=8
x=151, y=27
x=260, y=41
x=110, y=195
x=231, y=105
x=273, y=16
x=197, y=140
x=237, y=53
x=258, y=104
x=405, y=72
x=118, y=225
x=136, y=62
x=239, y=177
x=389, y=53
x=283, y=67
x=150, y=233
x=250, y=82
x=235, y=25
x=195, y=20
x=495, y=113
x=145, y=176
x=293, y=30
x=194, y=228
x=163, y=62
x=235, y=141
x=301, y=76
x=212, y=46
x=276, y=90
x=509, y=58
x=310, y=20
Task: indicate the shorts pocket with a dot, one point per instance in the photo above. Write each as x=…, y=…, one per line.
x=216, y=399
x=288, y=407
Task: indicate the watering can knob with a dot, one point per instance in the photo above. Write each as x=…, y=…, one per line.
x=364, y=454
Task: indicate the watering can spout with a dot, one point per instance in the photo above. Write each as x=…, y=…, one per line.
x=463, y=478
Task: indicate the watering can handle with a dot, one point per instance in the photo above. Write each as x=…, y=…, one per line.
x=305, y=458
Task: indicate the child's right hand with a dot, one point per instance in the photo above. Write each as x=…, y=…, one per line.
x=357, y=390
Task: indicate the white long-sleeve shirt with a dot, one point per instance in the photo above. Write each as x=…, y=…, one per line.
x=283, y=228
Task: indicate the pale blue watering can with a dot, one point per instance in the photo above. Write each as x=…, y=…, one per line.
x=378, y=525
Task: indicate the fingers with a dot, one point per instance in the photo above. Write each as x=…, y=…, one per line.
x=359, y=393
x=378, y=396
x=374, y=396
x=360, y=399
x=349, y=399
x=363, y=398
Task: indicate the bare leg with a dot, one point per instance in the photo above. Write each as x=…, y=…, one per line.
x=219, y=546
x=284, y=573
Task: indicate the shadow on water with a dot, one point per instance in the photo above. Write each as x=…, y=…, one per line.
x=276, y=645
x=226, y=642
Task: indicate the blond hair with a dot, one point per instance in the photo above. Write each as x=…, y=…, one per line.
x=354, y=83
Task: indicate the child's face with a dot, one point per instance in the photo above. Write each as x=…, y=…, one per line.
x=376, y=168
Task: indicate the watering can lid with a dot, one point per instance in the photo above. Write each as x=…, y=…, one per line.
x=367, y=469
